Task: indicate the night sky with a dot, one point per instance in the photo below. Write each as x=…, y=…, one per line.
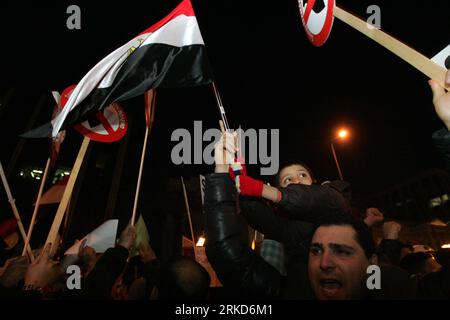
x=268, y=74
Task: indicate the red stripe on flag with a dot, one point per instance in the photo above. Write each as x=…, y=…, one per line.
x=184, y=8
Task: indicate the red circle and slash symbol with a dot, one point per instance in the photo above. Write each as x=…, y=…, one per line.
x=317, y=19
x=109, y=125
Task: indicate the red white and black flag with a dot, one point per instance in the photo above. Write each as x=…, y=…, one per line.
x=169, y=54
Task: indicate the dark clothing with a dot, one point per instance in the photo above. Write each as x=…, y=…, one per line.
x=238, y=268
x=298, y=211
x=391, y=249
x=441, y=139
x=395, y=285
x=244, y=272
x=294, y=235
x=4, y=254
x=308, y=203
x=100, y=281
x=435, y=285
x=150, y=271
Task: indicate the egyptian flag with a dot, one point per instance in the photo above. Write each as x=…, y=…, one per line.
x=169, y=54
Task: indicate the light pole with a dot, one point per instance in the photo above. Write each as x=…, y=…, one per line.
x=342, y=135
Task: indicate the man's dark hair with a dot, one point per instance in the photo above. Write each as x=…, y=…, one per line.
x=183, y=278
x=363, y=234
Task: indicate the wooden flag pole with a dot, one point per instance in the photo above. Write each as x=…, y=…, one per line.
x=51, y=238
x=36, y=208
x=148, y=128
x=66, y=222
x=12, y=201
x=188, y=212
x=138, y=185
x=416, y=59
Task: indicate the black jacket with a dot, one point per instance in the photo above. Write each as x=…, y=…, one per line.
x=238, y=268
x=441, y=140
x=307, y=203
x=298, y=211
x=100, y=281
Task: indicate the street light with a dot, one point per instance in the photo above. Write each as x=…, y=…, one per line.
x=341, y=135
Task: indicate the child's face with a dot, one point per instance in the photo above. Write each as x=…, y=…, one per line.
x=294, y=174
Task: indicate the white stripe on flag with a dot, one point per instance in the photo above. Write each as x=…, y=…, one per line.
x=180, y=31
x=102, y=70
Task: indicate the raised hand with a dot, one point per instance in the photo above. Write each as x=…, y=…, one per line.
x=391, y=230
x=441, y=100
x=127, y=237
x=146, y=252
x=373, y=217
x=43, y=271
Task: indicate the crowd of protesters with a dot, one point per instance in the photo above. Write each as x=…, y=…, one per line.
x=314, y=246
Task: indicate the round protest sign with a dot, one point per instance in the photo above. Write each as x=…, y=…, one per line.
x=108, y=125
x=317, y=18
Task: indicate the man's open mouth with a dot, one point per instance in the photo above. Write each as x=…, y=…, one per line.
x=330, y=284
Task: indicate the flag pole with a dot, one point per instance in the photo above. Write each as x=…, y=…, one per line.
x=414, y=58
x=12, y=201
x=148, y=128
x=220, y=105
x=138, y=184
x=51, y=238
x=224, y=146
x=36, y=208
x=65, y=227
x=186, y=202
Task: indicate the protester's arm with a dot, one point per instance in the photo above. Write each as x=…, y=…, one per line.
x=41, y=273
x=390, y=246
x=101, y=279
x=238, y=268
x=262, y=218
x=309, y=202
x=301, y=202
x=373, y=217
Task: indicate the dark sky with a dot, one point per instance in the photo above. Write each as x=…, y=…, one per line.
x=268, y=74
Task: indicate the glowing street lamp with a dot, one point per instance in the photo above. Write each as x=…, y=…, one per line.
x=342, y=134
